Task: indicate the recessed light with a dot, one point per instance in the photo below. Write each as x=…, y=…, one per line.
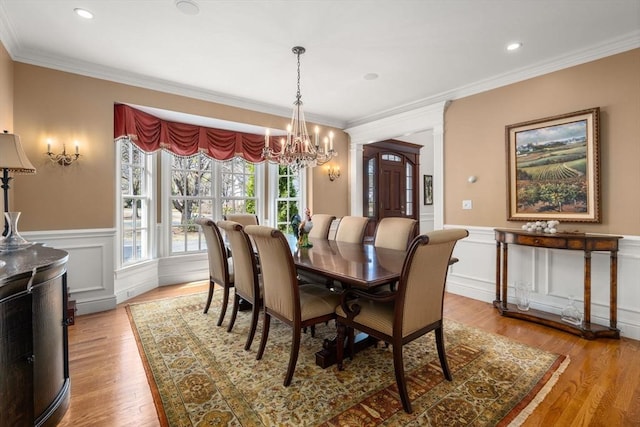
x=188, y=7
x=83, y=13
x=370, y=76
x=514, y=46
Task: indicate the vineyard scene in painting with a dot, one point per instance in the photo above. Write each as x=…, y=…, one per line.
x=551, y=169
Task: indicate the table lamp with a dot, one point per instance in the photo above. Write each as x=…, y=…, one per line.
x=12, y=159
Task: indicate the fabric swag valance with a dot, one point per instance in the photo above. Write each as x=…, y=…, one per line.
x=150, y=134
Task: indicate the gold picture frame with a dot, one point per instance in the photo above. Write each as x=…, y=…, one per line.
x=553, y=168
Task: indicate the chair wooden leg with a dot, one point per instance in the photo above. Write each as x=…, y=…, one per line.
x=340, y=344
x=313, y=331
x=234, y=312
x=351, y=339
x=293, y=356
x=398, y=367
x=266, y=321
x=442, y=355
x=209, y=297
x=255, y=312
x=225, y=302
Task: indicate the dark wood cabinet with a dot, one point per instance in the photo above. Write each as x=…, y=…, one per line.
x=34, y=362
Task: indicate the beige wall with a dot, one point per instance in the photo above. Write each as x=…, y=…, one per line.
x=475, y=141
x=6, y=89
x=68, y=107
x=6, y=101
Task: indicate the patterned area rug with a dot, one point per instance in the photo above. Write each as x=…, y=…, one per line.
x=201, y=376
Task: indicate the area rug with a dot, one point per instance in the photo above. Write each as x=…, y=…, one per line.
x=201, y=375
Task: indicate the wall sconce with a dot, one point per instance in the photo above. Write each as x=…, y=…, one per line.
x=333, y=172
x=63, y=158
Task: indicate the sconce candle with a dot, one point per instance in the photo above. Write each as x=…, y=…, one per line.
x=63, y=158
x=333, y=172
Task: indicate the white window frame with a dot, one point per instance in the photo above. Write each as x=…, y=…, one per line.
x=216, y=201
x=146, y=198
x=272, y=171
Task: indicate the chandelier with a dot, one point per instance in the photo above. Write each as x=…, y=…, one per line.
x=298, y=150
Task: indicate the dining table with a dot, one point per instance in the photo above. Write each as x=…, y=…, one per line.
x=358, y=265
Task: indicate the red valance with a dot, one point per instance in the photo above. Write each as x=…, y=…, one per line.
x=151, y=134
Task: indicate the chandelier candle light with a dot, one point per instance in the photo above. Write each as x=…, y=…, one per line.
x=298, y=150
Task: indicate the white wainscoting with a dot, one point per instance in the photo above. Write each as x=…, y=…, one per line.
x=426, y=222
x=90, y=267
x=554, y=274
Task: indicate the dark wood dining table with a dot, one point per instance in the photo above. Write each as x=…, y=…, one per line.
x=352, y=264
x=359, y=265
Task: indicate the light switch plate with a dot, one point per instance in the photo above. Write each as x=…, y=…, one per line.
x=467, y=204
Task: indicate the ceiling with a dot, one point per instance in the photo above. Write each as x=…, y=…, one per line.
x=239, y=52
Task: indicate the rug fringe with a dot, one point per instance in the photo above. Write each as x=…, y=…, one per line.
x=541, y=395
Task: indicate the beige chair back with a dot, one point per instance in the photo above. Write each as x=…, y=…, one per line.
x=281, y=294
x=395, y=233
x=242, y=219
x=245, y=270
x=351, y=229
x=321, y=225
x=423, y=278
x=216, y=251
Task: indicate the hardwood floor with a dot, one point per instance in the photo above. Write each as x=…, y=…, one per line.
x=600, y=387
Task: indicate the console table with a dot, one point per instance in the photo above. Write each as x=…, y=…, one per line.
x=571, y=241
x=34, y=358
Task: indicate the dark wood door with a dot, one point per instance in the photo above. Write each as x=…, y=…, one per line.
x=390, y=179
x=392, y=189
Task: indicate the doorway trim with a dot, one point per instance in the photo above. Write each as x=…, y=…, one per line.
x=430, y=117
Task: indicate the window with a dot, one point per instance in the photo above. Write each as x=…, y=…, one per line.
x=191, y=196
x=134, y=203
x=371, y=188
x=288, y=198
x=409, y=201
x=391, y=158
x=238, y=182
x=194, y=186
x=201, y=186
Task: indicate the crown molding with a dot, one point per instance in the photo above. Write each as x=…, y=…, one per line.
x=607, y=48
x=604, y=49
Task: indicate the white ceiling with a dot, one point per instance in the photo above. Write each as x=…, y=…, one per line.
x=239, y=52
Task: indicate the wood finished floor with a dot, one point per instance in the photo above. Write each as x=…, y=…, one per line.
x=601, y=386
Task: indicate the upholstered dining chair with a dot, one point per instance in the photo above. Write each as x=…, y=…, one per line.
x=351, y=229
x=220, y=267
x=242, y=219
x=246, y=279
x=412, y=311
x=395, y=233
x=296, y=306
x=321, y=225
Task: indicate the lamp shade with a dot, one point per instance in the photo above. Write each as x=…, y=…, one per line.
x=12, y=155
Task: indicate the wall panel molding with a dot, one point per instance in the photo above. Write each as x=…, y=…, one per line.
x=97, y=286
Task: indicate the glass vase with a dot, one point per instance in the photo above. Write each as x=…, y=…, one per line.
x=571, y=314
x=522, y=296
x=13, y=241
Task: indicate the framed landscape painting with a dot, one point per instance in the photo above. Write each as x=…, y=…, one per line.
x=553, y=168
